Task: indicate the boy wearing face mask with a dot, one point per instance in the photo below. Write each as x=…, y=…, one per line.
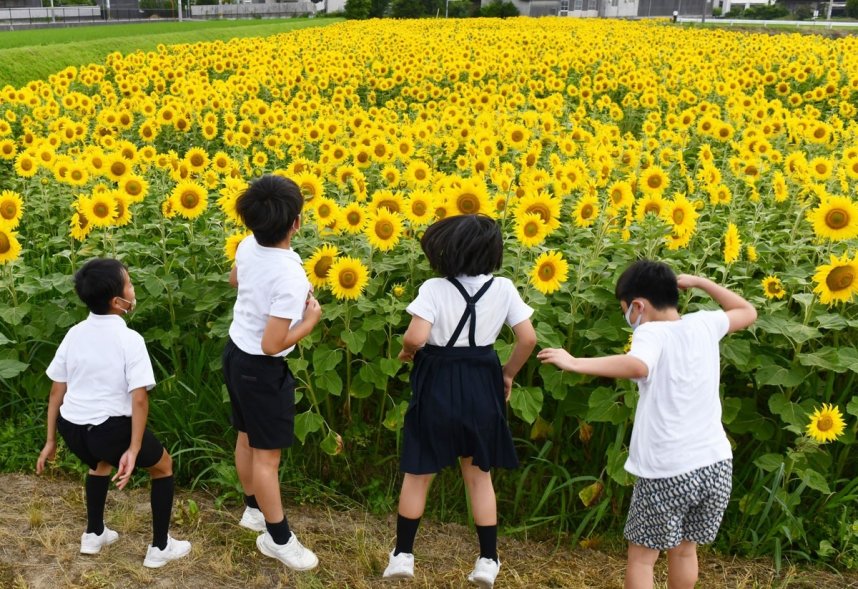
x=679, y=450
x=99, y=403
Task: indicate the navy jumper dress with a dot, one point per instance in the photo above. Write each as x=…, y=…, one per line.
x=457, y=406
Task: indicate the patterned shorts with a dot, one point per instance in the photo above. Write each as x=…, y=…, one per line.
x=664, y=512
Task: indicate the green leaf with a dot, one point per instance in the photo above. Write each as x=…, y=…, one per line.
x=590, y=494
x=390, y=366
x=330, y=381
x=608, y=405
x=616, y=465
x=791, y=413
x=852, y=406
x=833, y=359
x=332, y=444
x=326, y=359
x=815, y=481
x=832, y=321
x=526, y=402
x=14, y=315
x=11, y=368
x=775, y=375
x=750, y=421
x=394, y=419
x=805, y=299
x=5, y=340
x=794, y=330
x=354, y=340
x=306, y=423
x=372, y=373
x=547, y=336
x=769, y=462
x=730, y=409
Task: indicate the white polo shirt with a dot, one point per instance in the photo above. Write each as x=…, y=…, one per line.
x=440, y=303
x=678, y=425
x=101, y=360
x=271, y=283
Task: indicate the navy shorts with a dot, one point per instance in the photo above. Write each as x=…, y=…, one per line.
x=690, y=506
x=108, y=441
x=262, y=393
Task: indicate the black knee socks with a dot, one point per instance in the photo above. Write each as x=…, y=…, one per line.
x=488, y=536
x=280, y=532
x=161, y=499
x=250, y=501
x=96, y=495
x=406, y=530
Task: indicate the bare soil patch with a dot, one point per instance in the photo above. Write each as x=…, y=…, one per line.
x=41, y=519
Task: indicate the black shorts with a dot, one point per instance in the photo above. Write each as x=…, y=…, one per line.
x=108, y=441
x=262, y=394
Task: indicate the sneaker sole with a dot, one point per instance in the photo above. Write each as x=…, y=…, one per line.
x=482, y=584
x=157, y=564
x=398, y=576
x=252, y=526
x=97, y=550
x=261, y=545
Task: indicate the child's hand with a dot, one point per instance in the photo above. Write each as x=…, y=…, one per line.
x=48, y=453
x=126, y=467
x=507, y=387
x=686, y=281
x=313, y=310
x=560, y=358
x=405, y=356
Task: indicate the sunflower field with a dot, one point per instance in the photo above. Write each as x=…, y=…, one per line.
x=593, y=143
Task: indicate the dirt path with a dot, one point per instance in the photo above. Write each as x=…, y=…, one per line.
x=41, y=519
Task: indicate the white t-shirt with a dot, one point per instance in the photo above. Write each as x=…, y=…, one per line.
x=101, y=360
x=440, y=303
x=271, y=283
x=678, y=418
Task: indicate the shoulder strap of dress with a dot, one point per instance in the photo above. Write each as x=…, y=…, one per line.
x=470, y=312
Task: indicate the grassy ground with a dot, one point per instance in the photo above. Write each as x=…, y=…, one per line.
x=30, y=55
x=41, y=520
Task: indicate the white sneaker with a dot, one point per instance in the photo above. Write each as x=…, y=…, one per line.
x=92, y=543
x=485, y=572
x=252, y=519
x=175, y=549
x=400, y=566
x=292, y=554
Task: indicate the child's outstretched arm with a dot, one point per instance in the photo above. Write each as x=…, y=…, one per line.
x=415, y=338
x=233, y=277
x=619, y=366
x=139, y=415
x=525, y=341
x=740, y=312
x=279, y=334
x=49, y=452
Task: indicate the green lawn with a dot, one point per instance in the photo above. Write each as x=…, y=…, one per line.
x=35, y=54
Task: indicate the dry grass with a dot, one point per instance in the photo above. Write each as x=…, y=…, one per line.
x=41, y=519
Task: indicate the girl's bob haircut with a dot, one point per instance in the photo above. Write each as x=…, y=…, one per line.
x=464, y=245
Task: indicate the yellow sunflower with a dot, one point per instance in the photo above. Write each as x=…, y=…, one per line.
x=116, y=166
x=530, y=229
x=347, y=277
x=549, y=272
x=826, y=424
x=123, y=213
x=680, y=213
x=80, y=226
x=836, y=218
x=544, y=205
x=469, y=197
x=384, y=229
x=586, y=211
x=620, y=195
x=653, y=181
x=325, y=211
x=391, y=201
x=100, y=209
x=773, y=288
x=11, y=209
x=10, y=247
x=419, y=207
x=311, y=186
x=652, y=204
x=837, y=281
x=319, y=265
x=732, y=244
x=197, y=159
x=675, y=241
x=189, y=199
x=134, y=187
x=25, y=165
x=418, y=173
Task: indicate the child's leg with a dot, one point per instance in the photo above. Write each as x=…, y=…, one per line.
x=244, y=463
x=97, y=483
x=161, y=499
x=639, y=571
x=266, y=485
x=483, y=506
x=412, y=502
x=682, y=566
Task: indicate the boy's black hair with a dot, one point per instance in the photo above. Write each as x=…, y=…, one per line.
x=98, y=281
x=269, y=208
x=466, y=245
x=653, y=281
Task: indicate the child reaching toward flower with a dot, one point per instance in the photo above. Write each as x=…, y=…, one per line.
x=679, y=450
x=459, y=388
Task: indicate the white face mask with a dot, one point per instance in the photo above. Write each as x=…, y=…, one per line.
x=132, y=303
x=628, y=315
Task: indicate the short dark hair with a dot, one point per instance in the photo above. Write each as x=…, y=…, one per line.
x=653, y=281
x=269, y=208
x=98, y=281
x=466, y=245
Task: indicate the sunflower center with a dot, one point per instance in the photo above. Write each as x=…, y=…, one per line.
x=654, y=181
x=652, y=208
x=617, y=197
x=587, y=211
x=82, y=221
x=118, y=168
x=8, y=210
x=678, y=216
x=825, y=423
x=348, y=278
x=5, y=243
x=531, y=229
x=837, y=218
x=324, y=211
x=819, y=132
x=190, y=199
x=353, y=218
x=196, y=160
x=390, y=205
x=840, y=278
x=101, y=210
x=540, y=210
x=384, y=229
x=418, y=208
x=322, y=266
x=773, y=287
x=547, y=271
x=468, y=203
x=517, y=136
x=133, y=188
x=420, y=174
x=26, y=165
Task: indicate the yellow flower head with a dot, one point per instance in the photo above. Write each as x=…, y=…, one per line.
x=530, y=229
x=383, y=229
x=189, y=199
x=11, y=209
x=100, y=209
x=837, y=282
x=549, y=272
x=347, y=278
x=836, y=218
x=826, y=424
x=773, y=288
x=319, y=265
x=732, y=244
x=586, y=211
x=10, y=247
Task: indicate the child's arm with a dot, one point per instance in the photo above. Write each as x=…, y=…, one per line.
x=139, y=414
x=233, y=277
x=279, y=334
x=740, y=312
x=415, y=338
x=49, y=452
x=525, y=341
x=619, y=366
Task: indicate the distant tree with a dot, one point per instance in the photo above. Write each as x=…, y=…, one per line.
x=357, y=9
x=852, y=8
x=416, y=8
x=378, y=8
x=499, y=9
